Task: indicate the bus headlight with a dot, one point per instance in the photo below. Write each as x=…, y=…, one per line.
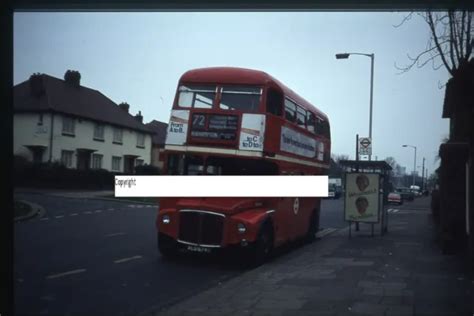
x=166, y=219
x=241, y=228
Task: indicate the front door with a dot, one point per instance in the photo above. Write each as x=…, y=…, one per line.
x=83, y=160
x=129, y=165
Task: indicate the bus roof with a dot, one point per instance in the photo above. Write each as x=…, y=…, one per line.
x=234, y=75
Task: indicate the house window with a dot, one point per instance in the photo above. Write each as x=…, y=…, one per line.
x=40, y=119
x=66, y=158
x=139, y=162
x=68, y=125
x=140, y=140
x=116, y=162
x=99, y=132
x=118, y=135
x=97, y=161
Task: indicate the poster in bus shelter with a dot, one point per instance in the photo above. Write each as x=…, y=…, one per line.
x=362, y=197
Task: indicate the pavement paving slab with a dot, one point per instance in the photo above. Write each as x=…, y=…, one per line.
x=400, y=273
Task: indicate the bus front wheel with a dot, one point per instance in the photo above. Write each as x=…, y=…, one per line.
x=166, y=246
x=262, y=248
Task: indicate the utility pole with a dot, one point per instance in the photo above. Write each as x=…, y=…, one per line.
x=372, y=57
x=423, y=175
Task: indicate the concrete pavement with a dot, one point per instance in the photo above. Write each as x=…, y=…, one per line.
x=401, y=273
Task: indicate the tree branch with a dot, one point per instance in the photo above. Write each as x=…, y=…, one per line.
x=468, y=36
x=441, y=86
x=461, y=37
x=433, y=31
x=416, y=60
x=406, y=18
x=456, y=36
x=451, y=42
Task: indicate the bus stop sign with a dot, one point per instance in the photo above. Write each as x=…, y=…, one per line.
x=365, y=146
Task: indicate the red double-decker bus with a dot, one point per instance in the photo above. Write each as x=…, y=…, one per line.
x=234, y=121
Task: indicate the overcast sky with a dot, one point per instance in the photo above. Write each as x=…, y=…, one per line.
x=139, y=57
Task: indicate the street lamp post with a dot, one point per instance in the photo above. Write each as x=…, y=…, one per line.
x=414, y=162
x=372, y=57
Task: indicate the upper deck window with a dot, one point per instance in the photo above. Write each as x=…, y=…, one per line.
x=242, y=98
x=322, y=127
x=300, y=116
x=326, y=130
x=311, y=122
x=274, y=101
x=290, y=110
x=196, y=96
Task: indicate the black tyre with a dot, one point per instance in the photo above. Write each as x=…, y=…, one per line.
x=261, y=250
x=313, y=226
x=167, y=246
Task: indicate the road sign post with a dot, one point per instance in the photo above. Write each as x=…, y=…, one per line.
x=365, y=146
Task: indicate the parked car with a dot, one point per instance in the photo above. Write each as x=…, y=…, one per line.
x=334, y=192
x=395, y=198
x=416, y=190
x=406, y=194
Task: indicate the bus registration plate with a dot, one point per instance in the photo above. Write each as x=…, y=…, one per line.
x=198, y=249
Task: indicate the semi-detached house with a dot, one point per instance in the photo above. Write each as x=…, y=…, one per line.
x=59, y=120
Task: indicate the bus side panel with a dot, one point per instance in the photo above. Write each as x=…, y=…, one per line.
x=272, y=134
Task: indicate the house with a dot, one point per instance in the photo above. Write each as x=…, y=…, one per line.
x=59, y=120
x=452, y=204
x=158, y=141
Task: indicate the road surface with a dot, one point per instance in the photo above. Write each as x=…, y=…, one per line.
x=90, y=257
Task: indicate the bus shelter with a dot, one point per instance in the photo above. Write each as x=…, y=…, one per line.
x=366, y=188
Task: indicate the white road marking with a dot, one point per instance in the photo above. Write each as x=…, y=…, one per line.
x=98, y=211
x=87, y=212
x=115, y=234
x=73, y=214
x=59, y=216
x=325, y=232
x=127, y=259
x=44, y=219
x=110, y=209
x=54, y=276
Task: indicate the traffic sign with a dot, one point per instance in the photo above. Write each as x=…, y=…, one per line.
x=365, y=146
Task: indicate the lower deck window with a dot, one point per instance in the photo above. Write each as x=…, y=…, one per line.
x=197, y=165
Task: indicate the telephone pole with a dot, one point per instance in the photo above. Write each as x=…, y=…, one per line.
x=423, y=175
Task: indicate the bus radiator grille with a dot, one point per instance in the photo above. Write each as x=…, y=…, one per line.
x=201, y=228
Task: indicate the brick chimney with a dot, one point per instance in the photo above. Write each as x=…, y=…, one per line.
x=36, y=84
x=73, y=77
x=139, y=117
x=124, y=106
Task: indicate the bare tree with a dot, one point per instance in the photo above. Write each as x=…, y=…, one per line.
x=450, y=43
x=337, y=158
